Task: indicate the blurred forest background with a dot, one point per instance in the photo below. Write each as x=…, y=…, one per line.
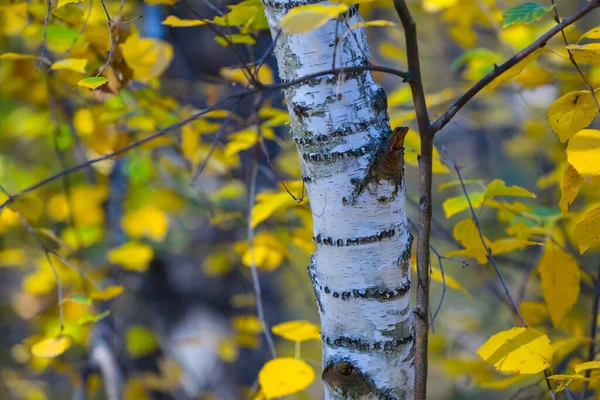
x=169, y=233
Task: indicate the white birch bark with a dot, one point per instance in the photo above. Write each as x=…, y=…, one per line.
x=360, y=270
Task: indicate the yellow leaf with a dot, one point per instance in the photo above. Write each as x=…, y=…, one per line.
x=284, y=376
x=377, y=22
x=587, y=53
x=520, y=350
x=570, y=185
x=227, y=350
x=62, y=3
x=240, y=75
x=92, y=318
x=107, y=293
x=560, y=278
x=506, y=245
x=51, y=347
x=564, y=377
x=571, y=113
x=148, y=221
x=93, y=82
x=583, y=152
x=499, y=188
x=140, y=341
x=177, y=22
x=134, y=256
x=17, y=57
x=455, y=205
x=586, y=366
x=467, y=234
x=148, y=57
x=163, y=2
x=297, y=331
x=246, y=324
x=303, y=238
x=502, y=384
x=29, y=206
x=12, y=257
x=84, y=121
x=268, y=203
x=534, y=312
x=73, y=64
x=217, y=264
x=308, y=17
x=432, y=6
x=587, y=229
x=516, y=69
x=591, y=34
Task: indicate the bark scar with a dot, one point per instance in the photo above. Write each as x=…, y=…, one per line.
x=387, y=164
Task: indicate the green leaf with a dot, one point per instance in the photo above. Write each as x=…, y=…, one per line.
x=526, y=13
x=93, y=82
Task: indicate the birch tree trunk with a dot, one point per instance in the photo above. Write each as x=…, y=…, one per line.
x=353, y=169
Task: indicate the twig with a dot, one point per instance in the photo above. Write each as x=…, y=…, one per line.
x=44, y=40
x=425, y=207
x=499, y=70
x=255, y=277
x=587, y=84
x=594, y=329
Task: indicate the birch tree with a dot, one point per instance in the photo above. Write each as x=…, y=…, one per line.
x=352, y=166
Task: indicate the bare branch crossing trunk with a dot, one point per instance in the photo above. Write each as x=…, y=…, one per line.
x=353, y=168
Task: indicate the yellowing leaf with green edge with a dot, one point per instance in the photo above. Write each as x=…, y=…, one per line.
x=534, y=312
x=17, y=57
x=92, y=318
x=412, y=147
x=297, y=331
x=51, y=347
x=587, y=229
x=80, y=300
x=438, y=5
x=140, y=341
x=571, y=113
x=308, y=17
x=147, y=57
x=246, y=324
x=467, y=234
x=73, y=64
x=586, y=53
x=583, y=152
x=236, y=38
x=148, y=221
x=62, y=3
x=499, y=188
x=133, y=256
x=269, y=203
x=177, y=22
x=593, y=33
x=506, y=245
x=93, y=82
x=516, y=69
x=570, y=185
x=560, y=278
x=586, y=366
x=519, y=350
x=284, y=376
x=525, y=13
x=107, y=293
x=452, y=184
x=377, y=23
x=456, y=205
